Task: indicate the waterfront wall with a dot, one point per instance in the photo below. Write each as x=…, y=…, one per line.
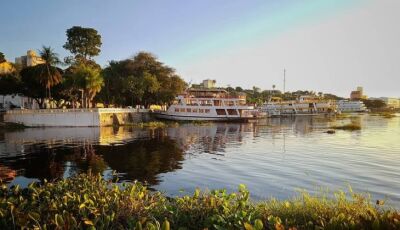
x=77, y=117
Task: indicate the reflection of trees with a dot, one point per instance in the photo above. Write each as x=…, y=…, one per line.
x=143, y=160
x=43, y=163
x=85, y=158
x=49, y=163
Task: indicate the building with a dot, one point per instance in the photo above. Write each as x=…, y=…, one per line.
x=31, y=59
x=209, y=84
x=358, y=94
x=17, y=101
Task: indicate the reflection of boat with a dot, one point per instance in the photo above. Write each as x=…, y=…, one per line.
x=211, y=104
x=304, y=105
x=351, y=106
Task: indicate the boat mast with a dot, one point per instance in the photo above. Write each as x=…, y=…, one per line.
x=284, y=81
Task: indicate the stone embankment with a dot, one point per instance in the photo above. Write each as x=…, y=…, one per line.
x=77, y=117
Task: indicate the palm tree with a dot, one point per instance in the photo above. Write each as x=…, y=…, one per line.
x=49, y=75
x=89, y=80
x=94, y=83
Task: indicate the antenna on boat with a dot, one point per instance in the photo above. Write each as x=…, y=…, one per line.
x=284, y=81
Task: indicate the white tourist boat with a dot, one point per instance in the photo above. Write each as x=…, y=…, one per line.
x=304, y=105
x=346, y=106
x=205, y=104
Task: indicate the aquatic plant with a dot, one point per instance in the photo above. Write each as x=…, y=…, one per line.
x=349, y=127
x=11, y=126
x=90, y=202
x=151, y=124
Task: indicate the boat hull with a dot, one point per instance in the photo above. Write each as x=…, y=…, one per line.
x=175, y=117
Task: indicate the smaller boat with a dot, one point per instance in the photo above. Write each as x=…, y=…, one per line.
x=209, y=104
x=346, y=106
x=304, y=105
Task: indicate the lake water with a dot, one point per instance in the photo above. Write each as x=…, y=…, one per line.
x=273, y=157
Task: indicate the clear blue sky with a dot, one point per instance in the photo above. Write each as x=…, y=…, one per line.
x=328, y=45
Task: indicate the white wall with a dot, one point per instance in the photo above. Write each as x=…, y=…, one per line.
x=66, y=117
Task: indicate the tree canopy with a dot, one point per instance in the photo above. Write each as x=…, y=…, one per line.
x=140, y=80
x=83, y=43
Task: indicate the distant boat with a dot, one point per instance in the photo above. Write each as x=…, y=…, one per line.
x=209, y=104
x=346, y=106
x=304, y=105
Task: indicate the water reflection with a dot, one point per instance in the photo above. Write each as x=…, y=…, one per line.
x=272, y=156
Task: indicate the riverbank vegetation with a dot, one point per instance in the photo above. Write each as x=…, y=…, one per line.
x=384, y=114
x=349, y=127
x=79, y=81
x=90, y=202
x=6, y=126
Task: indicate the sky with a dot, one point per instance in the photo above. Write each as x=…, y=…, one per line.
x=331, y=46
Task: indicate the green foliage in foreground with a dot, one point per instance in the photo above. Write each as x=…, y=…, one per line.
x=90, y=202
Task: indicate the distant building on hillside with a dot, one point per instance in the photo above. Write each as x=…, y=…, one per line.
x=30, y=59
x=209, y=84
x=272, y=91
x=358, y=94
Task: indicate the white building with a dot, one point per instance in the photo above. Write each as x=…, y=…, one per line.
x=31, y=59
x=17, y=101
x=209, y=84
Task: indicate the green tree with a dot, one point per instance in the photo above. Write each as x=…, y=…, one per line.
x=2, y=58
x=49, y=75
x=88, y=80
x=10, y=84
x=374, y=104
x=31, y=85
x=142, y=80
x=83, y=43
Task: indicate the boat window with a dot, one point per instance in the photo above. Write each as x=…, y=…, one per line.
x=207, y=111
x=194, y=110
x=232, y=112
x=182, y=110
x=189, y=110
x=177, y=110
x=229, y=103
x=201, y=110
x=221, y=112
x=217, y=103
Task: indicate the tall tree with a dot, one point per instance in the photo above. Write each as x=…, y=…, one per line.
x=83, y=43
x=2, y=58
x=31, y=85
x=48, y=73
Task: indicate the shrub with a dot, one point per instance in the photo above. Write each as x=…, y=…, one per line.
x=90, y=202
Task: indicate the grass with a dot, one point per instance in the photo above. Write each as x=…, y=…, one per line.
x=11, y=126
x=349, y=127
x=90, y=202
